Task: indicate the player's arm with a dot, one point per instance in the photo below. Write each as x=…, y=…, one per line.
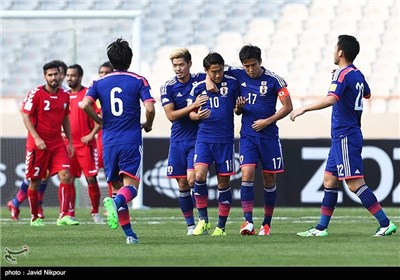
x=90, y=111
x=96, y=128
x=174, y=115
x=87, y=138
x=67, y=131
x=322, y=103
x=210, y=85
x=287, y=107
x=199, y=114
x=150, y=115
x=39, y=142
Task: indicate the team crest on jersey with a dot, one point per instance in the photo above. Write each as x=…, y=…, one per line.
x=224, y=89
x=263, y=88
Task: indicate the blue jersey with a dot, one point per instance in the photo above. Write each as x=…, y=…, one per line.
x=219, y=127
x=262, y=94
x=120, y=93
x=178, y=93
x=349, y=87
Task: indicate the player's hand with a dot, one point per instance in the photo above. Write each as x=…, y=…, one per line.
x=200, y=100
x=210, y=85
x=241, y=101
x=86, y=139
x=295, y=113
x=260, y=124
x=40, y=144
x=203, y=113
x=146, y=127
x=71, y=150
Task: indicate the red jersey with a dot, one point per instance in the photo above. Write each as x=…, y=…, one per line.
x=81, y=124
x=47, y=112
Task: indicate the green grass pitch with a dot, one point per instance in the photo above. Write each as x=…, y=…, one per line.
x=163, y=241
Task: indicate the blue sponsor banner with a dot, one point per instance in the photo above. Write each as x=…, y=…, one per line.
x=299, y=185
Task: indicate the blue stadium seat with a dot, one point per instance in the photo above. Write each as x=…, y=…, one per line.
x=285, y=30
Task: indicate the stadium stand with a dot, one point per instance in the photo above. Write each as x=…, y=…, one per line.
x=297, y=39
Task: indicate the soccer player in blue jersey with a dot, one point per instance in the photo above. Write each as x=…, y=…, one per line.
x=215, y=142
x=178, y=103
x=104, y=69
x=120, y=94
x=344, y=162
x=260, y=90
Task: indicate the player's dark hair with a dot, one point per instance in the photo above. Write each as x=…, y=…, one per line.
x=120, y=54
x=61, y=64
x=349, y=45
x=211, y=59
x=250, y=52
x=78, y=68
x=106, y=64
x=50, y=65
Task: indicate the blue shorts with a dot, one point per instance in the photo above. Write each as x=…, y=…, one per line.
x=267, y=151
x=180, y=158
x=221, y=154
x=344, y=159
x=126, y=159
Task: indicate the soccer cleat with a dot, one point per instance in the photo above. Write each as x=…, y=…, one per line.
x=67, y=221
x=97, y=219
x=40, y=212
x=132, y=240
x=264, y=230
x=13, y=210
x=386, y=231
x=218, y=232
x=190, y=229
x=313, y=232
x=202, y=228
x=112, y=214
x=247, y=229
x=37, y=223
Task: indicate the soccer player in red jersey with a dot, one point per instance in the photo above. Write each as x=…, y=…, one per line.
x=22, y=194
x=45, y=111
x=83, y=130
